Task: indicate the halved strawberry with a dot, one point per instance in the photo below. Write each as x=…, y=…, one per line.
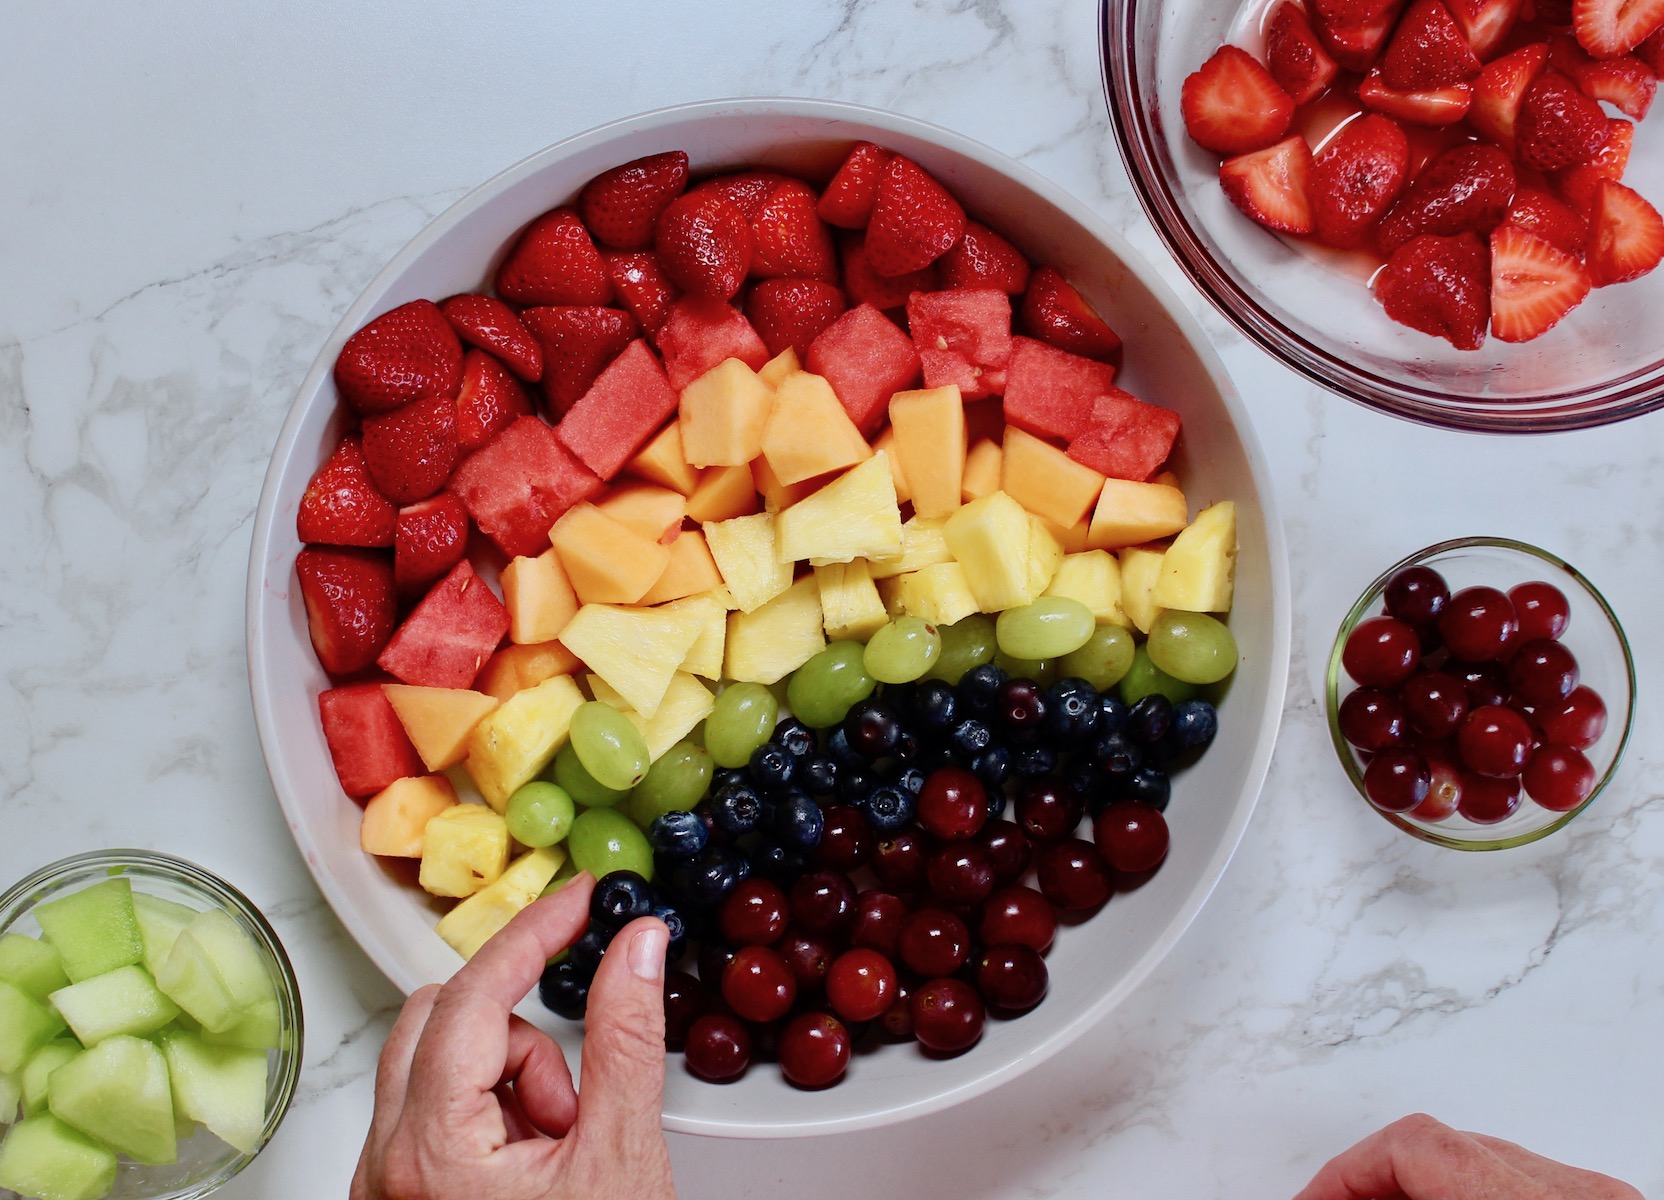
x=432, y=537
x=788, y=238
x=1485, y=23
x=747, y=191
x=1500, y=88
x=1533, y=284
x=1625, y=82
x=847, y=200
x=405, y=354
x=914, y=219
x=1231, y=105
x=1273, y=186
x=984, y=259
x=490, y=399
x=792, y=312
x=411, y=451
x=1441, y=286
x=1651, y=51
x=1356, y=178
x=1577, y=184
x=1355, y=31
x=641, y=286
x=704, y=244
x=1539, y=211
x=866, y=286
x=1607, y=28
x=1552, y=14
x=1626, y=235
x=488, y=323
x=1294, y=55
x=1053, y=311
x=341, y=505
x=351, y=606
x=578, y=342
x=1468, y=187
x=1427, y=50
x=619, y=206
x=1558, y=125
x=554, y=262
x=1433, y=107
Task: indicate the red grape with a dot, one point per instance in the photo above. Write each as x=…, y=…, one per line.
x=960, y=876
x=948, y=1015
x=1486, y=683
x=861, y=985
x=1381, y=652
x=685, y=1001
x=1417, y=595
x=1543, y=673
x=1049, y=809
x=719, y=1047
x=1018, y=914
x=953, y=804
x=1558, y=778
x=753, y=914
x=846, y=840
x=824, y=902
x=898, y=861
x=1008, y=850
x=1542, y=609
x=808, y=956
x=1486, y=800
x=758, y=985
x=1478, y=624
x=1011, y=978
x=1373, y=720
x=814, y=1050
x=1444, y=792
x=1397, y=781
x=1072, y=875
x=1578, y=722
x=1132, y=837
x=1434, y=702
x=897, y=1021
x=1495, y=741
x=934, y=942
x=878, y=918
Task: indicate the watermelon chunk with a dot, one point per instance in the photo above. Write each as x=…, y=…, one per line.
x=1050, y=392
x=867, y=359
x=698, y=333
x=517, y=486
x=367, y=743
x=1128, y=438
x=448, y=636
x=623, y=408
x=963, y=337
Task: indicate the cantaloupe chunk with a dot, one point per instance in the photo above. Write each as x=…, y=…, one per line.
x=991, y=539
x=1130, y=512
x=854, y=516
x=886, y=442
x=606, y=561
x=520, y=737
x=661, y=461
x=1045, y=480
x=722, y=494
x=438, y=720
x=691, y=570
x=777, y=368
x=747, y=552
x=539, y=597
x=777, y=495
x=395, y=819
x=766, y=645
x=686, y=703
x=849, y=602
x=923, y=544
x=516, y=668
x=653, y=511
x=809, y=432
x=704, y=657
x=1140, y=568
x=1094, y=578
x=939, y=593
x=636, y=650
x=930, y=445
x=722, y=415
x=1074, y=538
x=981, y=476
x=1198, y=572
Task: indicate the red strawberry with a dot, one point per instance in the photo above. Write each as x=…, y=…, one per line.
x=1231, y=105
x=1607, y=28
x=619, y=206
x=578, y=342
x=403, y=355
x=1468, y=187
x=490, y=399
x=554, y=262
x=1500, y=88
x=914, y=219
x=704, y=244
x=341, y=506
x=788, y=238
x=1624, y=82
x=1555, y=14
x=1626, y=235
x=1550, y=218
x=1533, y=284
x=867, y=286
x=1441, y=286
x=1651, y=51
x=641, y=286
x=350, y=604
x=745, y=190
x=412, y=451
x=1485, y=22
x=1056, y=313
x=1354, y=31
x=1434, y=107
x=1427, y=51
x=984, y=259
x=432, y=538
x=847, y=200
x=1558, y=125
x=1294, y=55
x=1273, y=185
x=488, y=323
x=1577, y=184
x=792, y=312
x=1356, y=178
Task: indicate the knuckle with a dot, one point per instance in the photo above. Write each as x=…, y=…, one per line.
x=626, y=1039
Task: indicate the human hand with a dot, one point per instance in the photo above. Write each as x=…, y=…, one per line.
x=475, y=1103
x=1418, y=1158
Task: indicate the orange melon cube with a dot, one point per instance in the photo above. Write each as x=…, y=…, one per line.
x=981, y=476
x=777, y=495
x=516, y=668
x=722, y=414
x=691, y=570
x=654, y=512
x=809, y=432
x=396, y=818
x=539, y=597
x=723, y=493
x=1074, y=538
x=777, y=368
x=661, y=461
x=1045, y=480
x=438, y=720
x=1130, y=512
x=886, y=442
x=606, y=560
x=930, y=444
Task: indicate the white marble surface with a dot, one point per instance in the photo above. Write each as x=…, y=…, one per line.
x=192, y=194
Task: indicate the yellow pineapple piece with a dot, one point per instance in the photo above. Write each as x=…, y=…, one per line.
x=747, y=552
x=438, y=720
x=636, y=650
x=1198, y=572
x=939, y=593
x=1130, y=512
x=809, y=432
x=517, y=739
x=1045, y=555
x=929, y=427
x=686, y=703
x=1094, y=578
x=854, y=516
x=777, y=368
x=722, y=415
x=704, y=657
x=849, y=602
x=991, y=539
x=769, y=643
x=471, y=924
x=661, y=461
x=539, y=597
x=464, y=849
x=983, y=464
x=1140, y=568
x=395, y=819
x=923, y=544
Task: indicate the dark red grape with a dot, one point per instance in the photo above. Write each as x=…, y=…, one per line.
x=1478, y=624
x=1444, y=792
x=960, y=876
x=1542, y=609
x=1486, y=800
x=953, y=804
x=1372, y=719
x=1048, y=809
x=1008, y=850
x=934, y=942
x=1485, y=683
x=809, y=958
x=1397, y=781
x=1131, y=837
x=846, y=841
x=713, y=960
x=1381, y=652
x=814, y=1050
x=824, y=902
x=1578, y=722
x=1543, y=673
x=1072, y=875
x=1558, y=777
x=1012, y=978
x=861, y=985
x=948, y=1015
x=878, y=918
x=685, y=1001
x=718, y=1048
x=1416, y=594
x=1018, y=914
x=1495, y=741
x=753, y=914
x=897, y=1021
x=1434, y=703
x=758, y=985
x=898, y=861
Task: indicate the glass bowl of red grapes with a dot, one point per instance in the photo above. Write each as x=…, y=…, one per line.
x=1480, y=693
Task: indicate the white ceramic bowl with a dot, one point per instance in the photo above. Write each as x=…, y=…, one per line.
x=1094, y=965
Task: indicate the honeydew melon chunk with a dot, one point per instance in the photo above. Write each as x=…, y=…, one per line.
x=118, y=1092
x=125, y=1000
x=224, y=1087
x=25, y=1026
x=189, y=979
x=34, y=966
x=261, y=1028
x=235, y=956
x=38, y=1072
x=94, y=929
x=11, y=1095
x=44, y=1158
x=159, y=924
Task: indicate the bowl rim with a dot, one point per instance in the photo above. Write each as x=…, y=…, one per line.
x=1364, y=607
x=879, y=122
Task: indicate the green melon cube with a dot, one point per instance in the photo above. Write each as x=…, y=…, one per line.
x=125, y=1000
x=118, y=1092
x=159, y=923
x=261, y=1028
x=25, y=1026
x=39, y=1070
x=11, y=1095
x=31, y=964
x=236, y=957
x=44, y=1158
x=189, y=979
x=224, y=1087
x=94, y=929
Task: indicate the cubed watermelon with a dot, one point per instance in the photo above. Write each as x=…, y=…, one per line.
x=366, y=741
x=448, y=635
x=963, y=337
x=699, y=333
x=1049, y=392
x=866, y=286
x=1128, y=439
x=626, y=405
x=867, y=359
x=517, y=486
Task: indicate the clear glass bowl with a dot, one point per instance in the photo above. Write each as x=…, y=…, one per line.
x=205, y=1162
x=1593, y=635
x=1313, y=309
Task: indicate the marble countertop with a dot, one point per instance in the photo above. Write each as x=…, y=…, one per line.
x=193, y=194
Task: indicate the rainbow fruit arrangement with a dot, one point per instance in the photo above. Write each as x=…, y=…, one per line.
x=790, y=447
x=1463, y=143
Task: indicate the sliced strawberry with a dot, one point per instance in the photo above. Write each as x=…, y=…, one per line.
x=1057, y=314
x=488, y=323
x=747, y=191
x=1232, y=105
x=351, y=606
x=1294, y=55
x=1355, y=32
x=1538, y=211
x=412, y=451
x=984, y=259
x=578, y=342
x=341, y=506
x=554, y=262
x=1273, y=186
x=847, y=200
x=1441, y=286
x=619, y=206
x=432, y=537
x=1607, y=28
x=1485, y=23
x=792, y=312
x=1533, y=284
x=914, y=219
x=1427, y=50
x=867, y=286
x=704, y=244
x=1500, y=88
x=1625, y=82
x=1651, y=51
x=1626, y=235
x=405, y=354
x=1578, y=184
x=1468, y=187
x=1558, y=125
x=641, y=286
x=489, y=401
x=1356, y=178
x=1356, y=12
x=1434, y=107
x=1554, y=14
x=788, y=238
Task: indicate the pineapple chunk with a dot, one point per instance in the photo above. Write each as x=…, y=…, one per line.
x=854, y=516
x=1140, y=568
x=1093, y=578
x=686, y=703
x=923, y=544
x=396, y=818
x=517, y=740
x=1198, y=572
x=704, y=657
x=849, y=602
x=939, y=593
x=991, y=539
x=471, y=924
x=767, y=645
x=636, y=650
x=464, y=849
x=748, y=555
x=539, y=597
x=1130, y=512
x=1045, y=555
x=438, y=720
x=777, y=368
x=722, y=415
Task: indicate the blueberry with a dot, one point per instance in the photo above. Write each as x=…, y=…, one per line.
x=993, y=767
x=619, y=898
x=1032, y=761
x=934, y=754
x=1072, y=711
x=772, y=766
x=970, y=738
x=979, y=690
x=1194, y=724
x=774, y=862
x=1112, y=713
x=1149, y=785
x=872, y=729
x=855, y=783
x=935, y=706
x=796, y=737
x=1149, y=718
x=678, y=834
x=910, y=779
x=737, y=808
x=678, y=927
x=585, y=953
x=715, y=873
x=725, y=776
x=798, y=822
x=1116, y=755
x=817, y=775
x=889, y=808
x=908, y=747
x=564, y=991
x=842, y=751
x=1088, y=781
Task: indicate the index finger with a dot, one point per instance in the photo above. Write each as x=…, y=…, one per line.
x=1414, y=1156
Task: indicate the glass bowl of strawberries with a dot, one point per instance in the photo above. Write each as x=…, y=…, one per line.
x=1442, y=209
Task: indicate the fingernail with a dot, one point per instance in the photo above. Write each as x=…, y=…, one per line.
x=647, y=953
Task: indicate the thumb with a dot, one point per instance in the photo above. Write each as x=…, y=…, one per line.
x=621, y=1090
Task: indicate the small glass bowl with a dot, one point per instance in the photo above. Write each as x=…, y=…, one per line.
x=1593, y=635
x=205, y=1162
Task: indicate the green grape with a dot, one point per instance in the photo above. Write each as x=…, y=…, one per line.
x=1192, y=647
x=1050, y=627
x=610, y=747
x=824, y=689
x=1144, y=678
x=604, y=840
x=902, y=650
x=677, y=780
x=1041, y=670
x=742, y=720
x=539, y=814
x=564, y=875
x=1103, y=660
x=583, y=787
x=965, y=644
